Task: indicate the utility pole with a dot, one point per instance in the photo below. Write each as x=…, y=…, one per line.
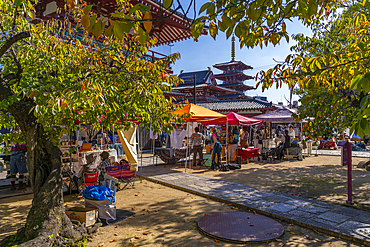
x=195, y=89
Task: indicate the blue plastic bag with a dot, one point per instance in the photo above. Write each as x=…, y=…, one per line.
x=98, y=193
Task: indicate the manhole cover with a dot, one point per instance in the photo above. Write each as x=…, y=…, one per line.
x=240, y=227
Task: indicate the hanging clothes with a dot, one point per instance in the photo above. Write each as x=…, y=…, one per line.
x=177, y=136
x=151, y=134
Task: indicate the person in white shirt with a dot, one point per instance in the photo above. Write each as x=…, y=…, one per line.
x=291, y=132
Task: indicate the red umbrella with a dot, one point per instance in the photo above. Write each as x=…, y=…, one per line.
x=236, y=119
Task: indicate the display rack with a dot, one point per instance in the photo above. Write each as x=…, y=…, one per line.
x=67, y=157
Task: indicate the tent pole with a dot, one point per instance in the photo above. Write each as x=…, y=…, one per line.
x=101, y=143
x=250, y=135
x=153, y=143
x=227, y=142
x=141, y=154
x=187, y=146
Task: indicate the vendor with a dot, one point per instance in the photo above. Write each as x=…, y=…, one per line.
x=244, y=138
x=105, y=162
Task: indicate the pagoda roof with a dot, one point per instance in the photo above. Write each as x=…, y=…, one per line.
x=200, y=77
x=205, y=85
x=240, y=65
x=240, y=95
x=169, y=26
x=232, y=105
x=239, y=75
x=245, y=87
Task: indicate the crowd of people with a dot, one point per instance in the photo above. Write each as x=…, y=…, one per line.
x=245, y=136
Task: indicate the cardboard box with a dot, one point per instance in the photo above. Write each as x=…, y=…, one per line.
x=84, y=215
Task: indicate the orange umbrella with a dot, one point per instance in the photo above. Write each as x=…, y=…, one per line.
x=200, y=114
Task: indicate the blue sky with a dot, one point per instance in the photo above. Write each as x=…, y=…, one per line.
x=196, y=56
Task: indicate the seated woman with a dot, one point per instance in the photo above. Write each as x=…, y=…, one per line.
x=85, y=168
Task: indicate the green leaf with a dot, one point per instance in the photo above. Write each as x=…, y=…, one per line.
x=87, y=9
x=222, y=26
x=92, y=21
x=97, y=29
x=143, y=36
x=118, y=30
x=17, y=3
x=312, y=8
x=167, y=3
x=229, y=32
x=211, y=9
x=238, y=30
x=355, y=81
x=204, y=7
x=361, y=46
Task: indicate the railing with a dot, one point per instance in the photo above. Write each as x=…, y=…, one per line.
x=153, y=56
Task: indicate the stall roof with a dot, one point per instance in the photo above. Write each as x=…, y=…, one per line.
x=282, y=115
x=236, y=119
x=200, y=114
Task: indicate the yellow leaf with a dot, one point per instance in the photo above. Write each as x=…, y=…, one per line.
x=146, y=22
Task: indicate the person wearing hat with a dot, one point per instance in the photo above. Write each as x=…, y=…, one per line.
x=85, y=168
x=105, y=162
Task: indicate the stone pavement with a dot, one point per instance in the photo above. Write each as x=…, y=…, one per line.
x=330, y=152
x=344, y=222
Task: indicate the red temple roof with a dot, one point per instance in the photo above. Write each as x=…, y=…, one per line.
x=167, y=27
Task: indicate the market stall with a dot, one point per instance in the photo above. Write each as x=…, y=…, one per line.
x=282, y=115
x=198, y=114
x=237, y=119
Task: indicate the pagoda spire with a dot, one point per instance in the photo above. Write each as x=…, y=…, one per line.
x=233, y=48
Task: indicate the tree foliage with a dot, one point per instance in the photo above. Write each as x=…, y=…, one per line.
x=333, y=61
x=260, y=22
x=54, y=73
x=100, y=81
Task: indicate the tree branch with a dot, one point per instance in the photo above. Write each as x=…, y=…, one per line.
x=13, y=40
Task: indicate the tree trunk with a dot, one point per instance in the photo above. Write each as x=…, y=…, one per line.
x=46, y=220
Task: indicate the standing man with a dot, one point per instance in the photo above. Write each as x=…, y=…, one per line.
x=197, y=140
x=278, y=131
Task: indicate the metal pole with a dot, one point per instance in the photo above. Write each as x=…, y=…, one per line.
x=187, y=147
x=101, y=143
x=227, y=141
x=141, y=154
x=349, y=172
x=195, y=90
x=153, y=148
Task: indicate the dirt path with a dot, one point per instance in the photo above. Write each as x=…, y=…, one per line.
x=164, y=217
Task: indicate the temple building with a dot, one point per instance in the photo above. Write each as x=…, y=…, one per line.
x=168, y=26
x=227, y=96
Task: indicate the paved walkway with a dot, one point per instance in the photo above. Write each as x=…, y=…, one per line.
x=361, y=154
x=338, y=221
